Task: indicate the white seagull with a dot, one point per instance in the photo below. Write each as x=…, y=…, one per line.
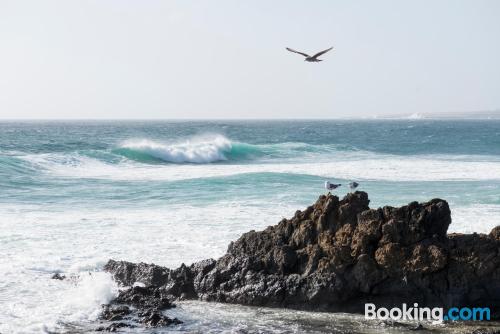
x=309, y=58
x=331, y=186
x=353, y=185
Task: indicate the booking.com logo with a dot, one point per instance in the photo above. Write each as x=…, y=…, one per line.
x=425, y=313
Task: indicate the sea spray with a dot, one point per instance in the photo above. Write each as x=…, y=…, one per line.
x=196, y=150
x=92, y=289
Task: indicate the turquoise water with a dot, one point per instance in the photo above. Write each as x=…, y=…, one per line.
x=75, y=194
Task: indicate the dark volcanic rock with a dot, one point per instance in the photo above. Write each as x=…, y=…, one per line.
x=114, y=327
x=144, y=297
x=154, y=318
x=58, y=276
x=149, y=274
x=339, y=254
x=138, y=305
x=115, y=312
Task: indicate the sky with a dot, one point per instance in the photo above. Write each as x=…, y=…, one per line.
x=227, y=58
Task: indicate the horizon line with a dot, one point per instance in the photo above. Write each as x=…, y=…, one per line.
x=253, y=119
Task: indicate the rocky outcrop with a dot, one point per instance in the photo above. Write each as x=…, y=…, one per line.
x=336, y=255
x=58, y=276
x=137, y=305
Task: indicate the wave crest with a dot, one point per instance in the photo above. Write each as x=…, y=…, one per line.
x=198, y=150
x=202, y=150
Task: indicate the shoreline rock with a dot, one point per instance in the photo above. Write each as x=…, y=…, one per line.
x=58, y=276
x=137, y=305
x=337, y=255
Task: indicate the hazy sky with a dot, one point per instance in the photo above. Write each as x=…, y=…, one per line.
x=213, y=59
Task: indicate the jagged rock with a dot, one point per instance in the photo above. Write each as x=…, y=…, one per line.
x=154, y=318
x=115, y=312
x=147, y=303
x=495, y=233
x=148, y=274
x=114, y=327
x=338, y=254
x=144, y=297
x=58, y=276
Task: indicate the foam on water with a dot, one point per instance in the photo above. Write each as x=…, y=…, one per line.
x=480, y=218
x=40, y=304
x=77, y=242
x=223, y=318
x=75, y=195
x=194, y=150
x=346, y=166
x=204, y=149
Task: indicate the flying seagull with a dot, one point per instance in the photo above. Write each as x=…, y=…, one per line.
x=308, y=57
x=331, y=186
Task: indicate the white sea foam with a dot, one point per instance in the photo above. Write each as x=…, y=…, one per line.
x=34, y=303
x=195, y=150
x=201, y=317
x=35, y=242
x=480, y=218
x=356, y=165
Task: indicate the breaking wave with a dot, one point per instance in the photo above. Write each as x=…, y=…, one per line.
x=145, y=159
x=202, y=150
x=192, y=151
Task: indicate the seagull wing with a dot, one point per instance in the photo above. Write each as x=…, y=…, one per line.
x=322, y=52
x=300, y=53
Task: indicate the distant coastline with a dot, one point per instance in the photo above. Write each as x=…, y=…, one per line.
x=463, y=115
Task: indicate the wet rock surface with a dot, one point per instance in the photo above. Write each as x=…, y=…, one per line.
x=137, y=306
x=337, y=255
x=485, y=331
x=58, y=276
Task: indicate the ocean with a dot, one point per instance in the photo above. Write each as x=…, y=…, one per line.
x=77, y=193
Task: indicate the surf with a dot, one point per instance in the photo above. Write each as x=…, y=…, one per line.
x=217, y=148
x=197, y=150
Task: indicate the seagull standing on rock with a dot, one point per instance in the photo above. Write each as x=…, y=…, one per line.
x=331, y=186
x=353, y=185
x=312, y=59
